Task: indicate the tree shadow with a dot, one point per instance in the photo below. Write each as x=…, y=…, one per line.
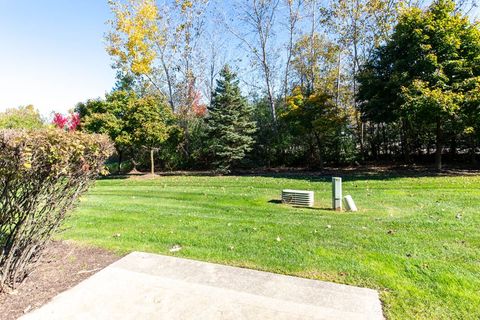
x=387, y=172
x=360, y=173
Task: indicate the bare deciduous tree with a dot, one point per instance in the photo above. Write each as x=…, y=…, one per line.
x=294, y=16
x=258, y=18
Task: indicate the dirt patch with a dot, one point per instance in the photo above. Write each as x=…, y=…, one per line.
x=63, y=265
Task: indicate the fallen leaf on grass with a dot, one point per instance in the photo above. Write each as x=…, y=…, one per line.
x=176, y=248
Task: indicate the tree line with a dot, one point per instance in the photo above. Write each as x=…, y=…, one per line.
x=320, y=83
x=263, y=83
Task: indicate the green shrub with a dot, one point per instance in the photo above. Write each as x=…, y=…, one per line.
x=42, y=174
x=21, y=118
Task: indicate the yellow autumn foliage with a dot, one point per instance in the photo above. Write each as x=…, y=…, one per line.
x=134, y=34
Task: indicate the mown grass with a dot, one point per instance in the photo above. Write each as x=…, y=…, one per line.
x=416, y=240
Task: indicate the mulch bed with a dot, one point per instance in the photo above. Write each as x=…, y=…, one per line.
x=63, y=265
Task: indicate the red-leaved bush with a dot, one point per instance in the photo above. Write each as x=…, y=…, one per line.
x=69, y=123
x=74, y=122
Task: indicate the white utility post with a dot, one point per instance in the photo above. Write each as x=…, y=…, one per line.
x=337, y=194
x=350, y=204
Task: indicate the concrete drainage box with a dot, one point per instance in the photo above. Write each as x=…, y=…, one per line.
x=298, y=197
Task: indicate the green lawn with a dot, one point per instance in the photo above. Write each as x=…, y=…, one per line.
x=416, y=240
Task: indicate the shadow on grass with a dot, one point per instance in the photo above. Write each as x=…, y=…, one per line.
x=276, y=201
x=314, y=208
x=362, y=173
x=348, y=174
x=114, y=177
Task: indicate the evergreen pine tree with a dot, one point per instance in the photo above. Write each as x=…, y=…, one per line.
x=229, y=123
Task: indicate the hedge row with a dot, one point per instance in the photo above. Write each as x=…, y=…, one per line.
x=42, y=175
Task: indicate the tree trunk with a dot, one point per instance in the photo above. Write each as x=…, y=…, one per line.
x=405, y=144
x=439, y=146
x=271, y=100
x=385, y=142
x=360, y=132
x=312, y=47
x=311, y=153
x=320, y=151
x=152, y=162
x=356, y=66
x=169, y=83
x=293, y=20
x=337, y=94
x=473, y=156
x=453, y=147
x=187, y=140
x=120, y=156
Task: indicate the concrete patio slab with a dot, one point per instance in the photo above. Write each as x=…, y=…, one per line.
x=148, y=286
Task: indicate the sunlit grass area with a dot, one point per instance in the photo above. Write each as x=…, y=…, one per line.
x=415, y=239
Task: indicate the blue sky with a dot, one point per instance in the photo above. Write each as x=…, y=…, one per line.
x=52, y=53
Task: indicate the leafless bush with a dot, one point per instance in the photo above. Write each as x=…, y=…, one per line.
x=42, y=174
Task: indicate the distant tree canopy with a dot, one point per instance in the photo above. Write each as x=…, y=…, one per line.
x=109, y=117
x=150, y=121
x=316, y=117
x=21, y=118
x=133, y=123
x=324, y=83
x=427, y=75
